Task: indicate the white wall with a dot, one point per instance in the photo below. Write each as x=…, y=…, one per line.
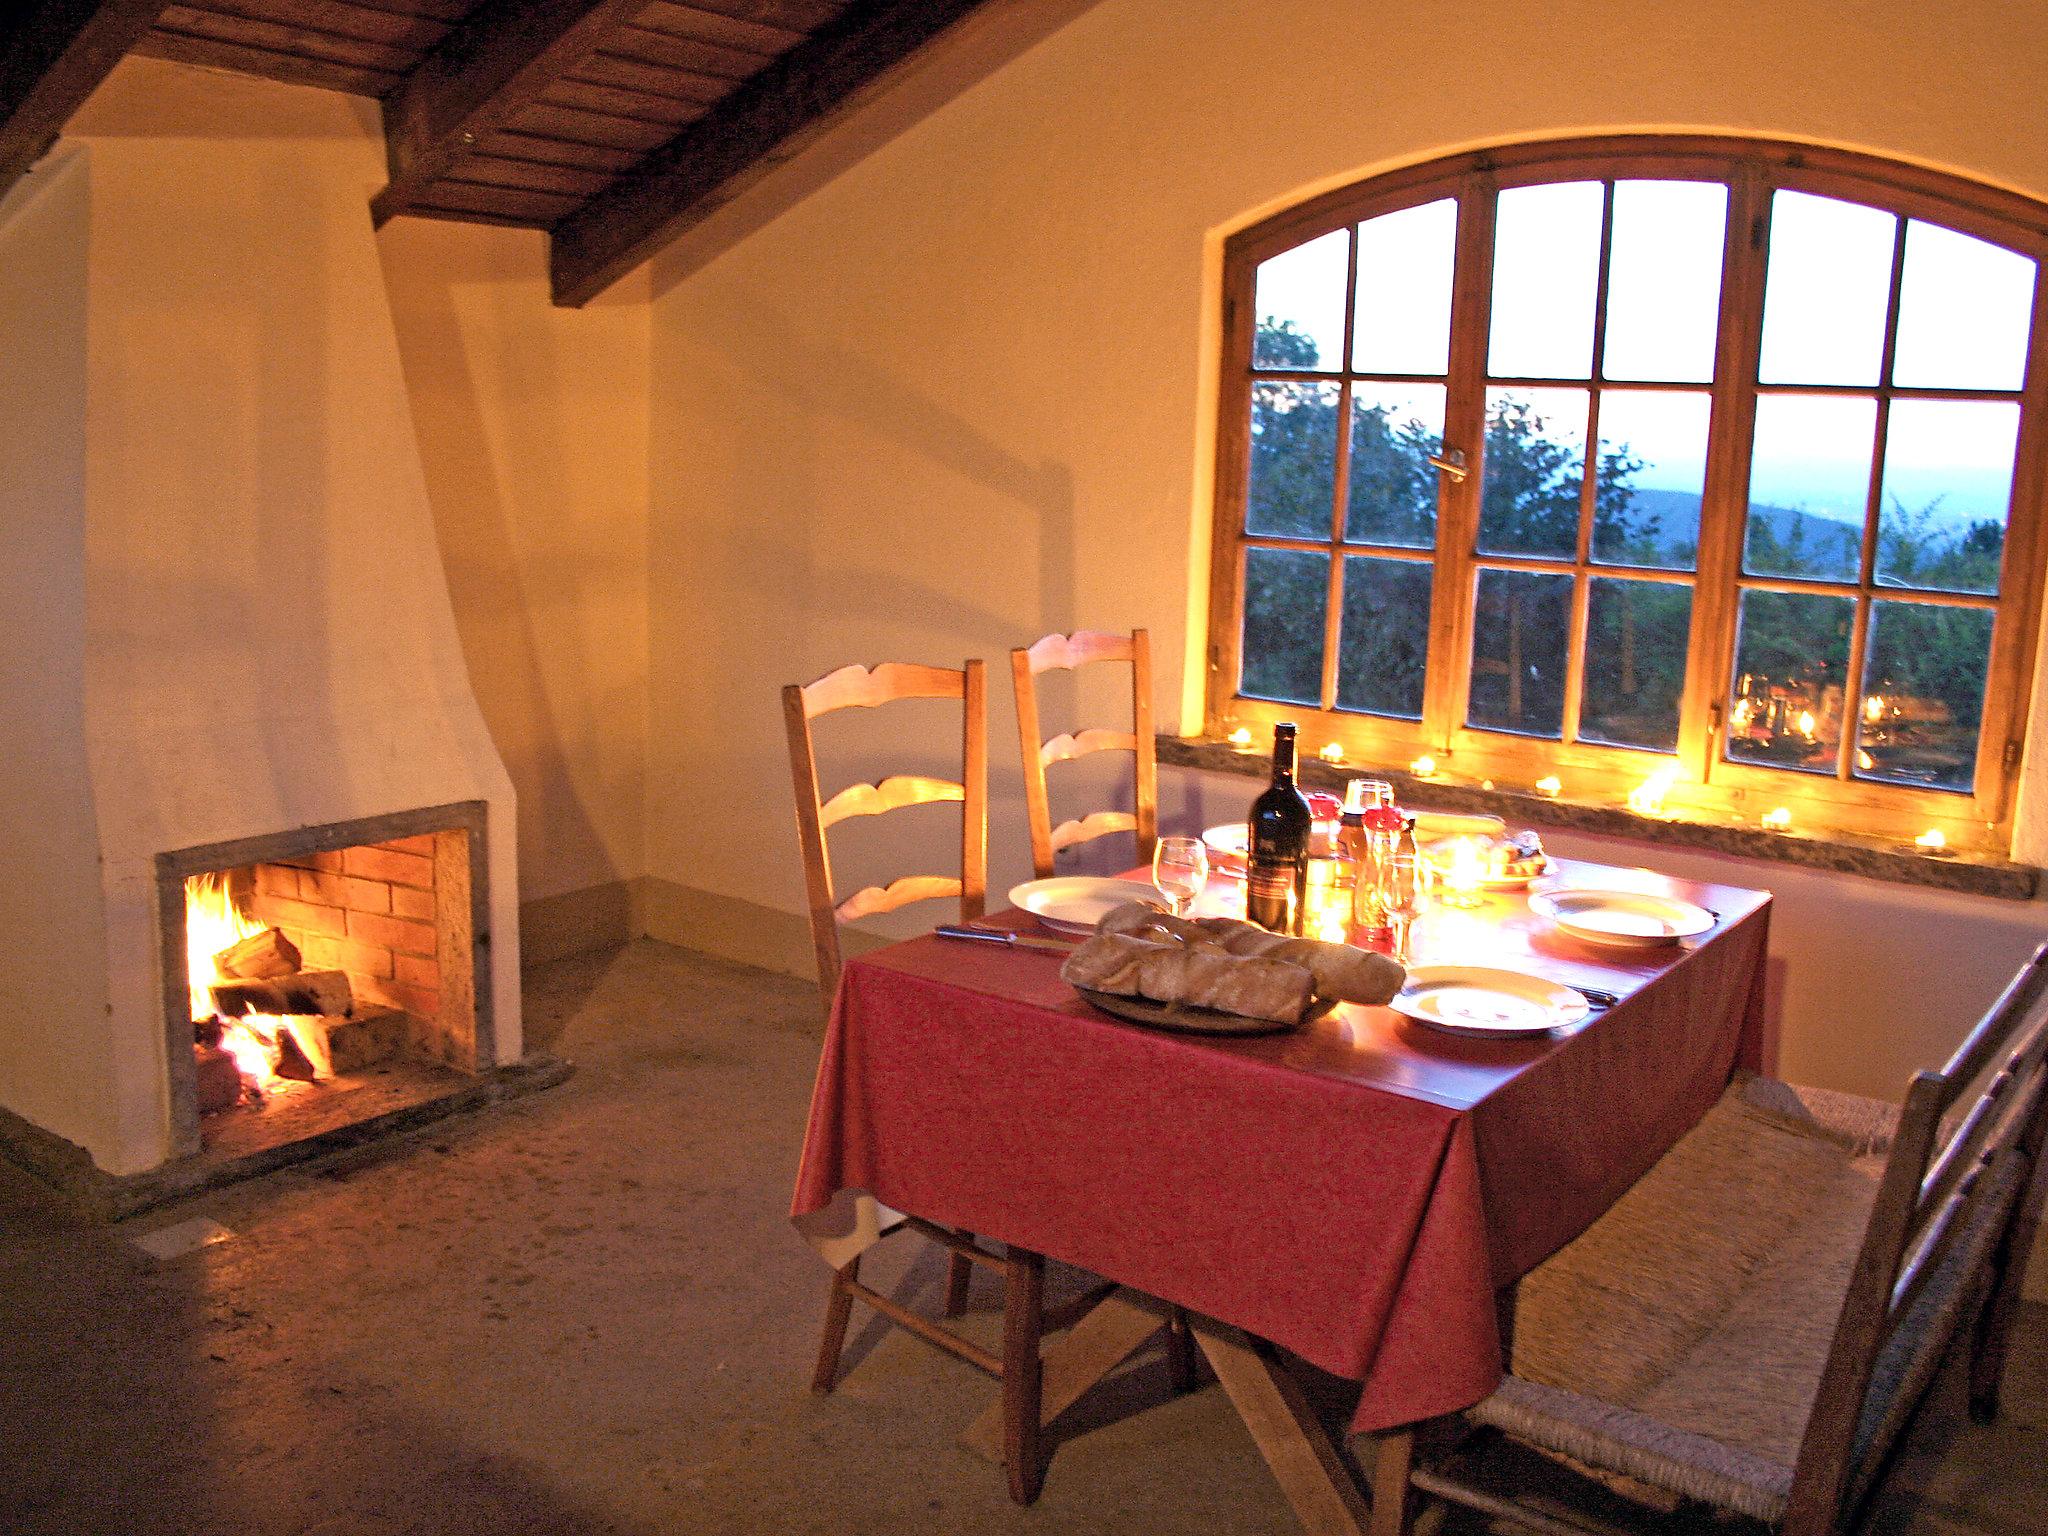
x=964, y=394
x=53, y=995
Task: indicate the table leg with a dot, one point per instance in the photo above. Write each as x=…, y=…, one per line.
x=1073, y=1363
x=1305, y=1461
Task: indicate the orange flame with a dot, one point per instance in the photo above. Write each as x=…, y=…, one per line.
x=212, y=923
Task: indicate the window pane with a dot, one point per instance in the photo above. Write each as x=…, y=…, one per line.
x=1385, y=642
x=1636, y=633
x=1535, y=465
x=1923, y=682
x=1294, y=460
x=1826, y=291
x=1947, y=484
x=1964, y=311
x=1791, y=652
x=1653, y=466
x=1546, y=278
x=1300, y=305
x=1664, y=280
x=1520, y=629
x=1809, y=484
x=1404, y=290
x=1286, y=595
x=1394, y=430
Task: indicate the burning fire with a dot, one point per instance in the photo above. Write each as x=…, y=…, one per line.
x=212, y=923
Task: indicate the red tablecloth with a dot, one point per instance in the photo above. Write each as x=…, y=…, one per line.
x=1355, y=1191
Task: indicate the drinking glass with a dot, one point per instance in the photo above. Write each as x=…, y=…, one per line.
x=1180, y=868
x=1402, y=879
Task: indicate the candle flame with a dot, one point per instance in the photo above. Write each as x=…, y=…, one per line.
x=1333, y=752
x=1424, y=767
x=1550, y=786
x=1778, y=820
x=1241, y=738
x=1933, y=837
x=1647, y=798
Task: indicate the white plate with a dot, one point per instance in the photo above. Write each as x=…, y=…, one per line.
x=1630, y=919
x=1076, y=903
x=1229, y=840
x=1485, y=1001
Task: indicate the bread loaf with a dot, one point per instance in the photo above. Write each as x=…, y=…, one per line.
x=1198, y=975
x=1340, y=971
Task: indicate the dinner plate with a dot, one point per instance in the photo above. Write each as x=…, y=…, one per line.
x=1076, y=903
x=1192, y=1020
x=1627, y=919
x=1485, y=1001
x=1229, y=840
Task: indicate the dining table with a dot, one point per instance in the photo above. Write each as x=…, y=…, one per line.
x=1360, y=1192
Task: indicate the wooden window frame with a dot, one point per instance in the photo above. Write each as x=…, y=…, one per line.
x=1712, y=785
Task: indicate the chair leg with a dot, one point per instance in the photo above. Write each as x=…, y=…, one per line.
x=1393, y=1456
x=959, y=1270
x=1023, y=1326
x=1994, y=1322
x=838, y=1308
x=1180, y=1352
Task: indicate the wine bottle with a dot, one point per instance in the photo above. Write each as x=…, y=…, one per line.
x=1276, y=879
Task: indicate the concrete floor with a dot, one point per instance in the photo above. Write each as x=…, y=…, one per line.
x=585, y=1312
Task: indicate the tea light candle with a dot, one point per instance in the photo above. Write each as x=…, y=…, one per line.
x=1462, y=874
x=1550, y=786
x=1778, y=820
x=1241, y=739
x=1333, y=752
x=1423, y=767
x=1933, y=840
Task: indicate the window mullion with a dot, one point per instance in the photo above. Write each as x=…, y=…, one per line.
x=1450, y=609
x=1711, y=646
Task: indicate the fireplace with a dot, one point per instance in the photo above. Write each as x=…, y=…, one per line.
x=324, y=977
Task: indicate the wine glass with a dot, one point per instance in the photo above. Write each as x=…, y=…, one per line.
x=1180, y=869
x=1402, y=880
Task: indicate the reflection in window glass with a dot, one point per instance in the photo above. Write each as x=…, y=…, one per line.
x=1394, y=430
x=1964, y=312
x=1300, y=305
x=1546, y=279
x=1286, y=596
x=1404, y=290
x=1827, y=290
x=1638, y=631
x=1651, y=472
x=1294, y=460
x=1809, y=486
x=1947, y=484
x=1923, y=684
x=1535, y=465
x=1520, y=637
x=1385, y=644
x=1791, y=654
x=1664, y=280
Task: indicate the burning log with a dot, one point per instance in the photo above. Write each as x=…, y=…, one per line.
x=347, y=1045
x=308, y=992
x=220, y=1080
x=261, y=955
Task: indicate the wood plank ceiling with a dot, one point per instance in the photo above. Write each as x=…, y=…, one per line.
x=612, y=124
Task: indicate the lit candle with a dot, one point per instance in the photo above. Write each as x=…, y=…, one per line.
x=1933, y=840
x=1647, y=798
x=1424, y=767
x=1778, y=820
x=1463, y=874
x=1550, y=786
x=1333, y=752
x=1241, y=739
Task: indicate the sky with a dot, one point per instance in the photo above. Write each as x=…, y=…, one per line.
x=1963, y=319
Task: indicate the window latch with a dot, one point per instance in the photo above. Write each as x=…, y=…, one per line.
x=1452, y=462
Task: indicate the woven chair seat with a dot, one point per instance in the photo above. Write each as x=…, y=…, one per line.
x=1680, y=1340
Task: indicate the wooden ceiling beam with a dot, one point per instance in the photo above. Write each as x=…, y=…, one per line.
x=765, y=120
x=495, y=63
x=58, y=54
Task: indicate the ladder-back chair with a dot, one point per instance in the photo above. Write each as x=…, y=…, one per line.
x=1065, y=653
x=1683, y=1342
x=857, y=687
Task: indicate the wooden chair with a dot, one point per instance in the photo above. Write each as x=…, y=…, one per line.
x=1753, y=1324
x=1024, y=1319
x=1066, y=652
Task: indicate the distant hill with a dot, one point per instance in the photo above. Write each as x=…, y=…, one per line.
x=1825, y=542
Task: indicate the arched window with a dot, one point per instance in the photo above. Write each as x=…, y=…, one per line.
x=1589, y=458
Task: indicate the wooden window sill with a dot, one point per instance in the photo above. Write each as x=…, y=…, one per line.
x=1975, y=874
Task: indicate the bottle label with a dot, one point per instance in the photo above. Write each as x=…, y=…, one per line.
x=1271, y=895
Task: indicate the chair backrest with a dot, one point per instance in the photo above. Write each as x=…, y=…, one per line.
x=859, y=688
x=1961, y=1192
x=1065, y=652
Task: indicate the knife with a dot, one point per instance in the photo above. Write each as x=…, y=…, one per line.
x=997, y=936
